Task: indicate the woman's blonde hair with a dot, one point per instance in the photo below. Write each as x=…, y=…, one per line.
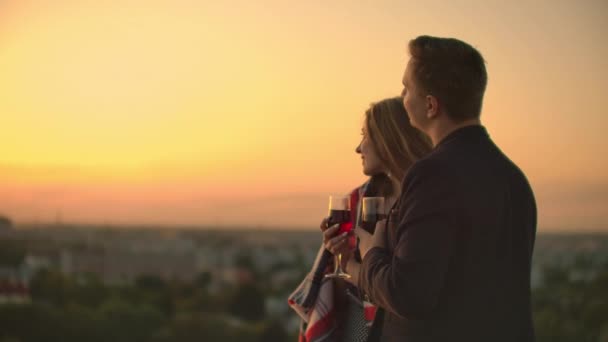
x=397, y=143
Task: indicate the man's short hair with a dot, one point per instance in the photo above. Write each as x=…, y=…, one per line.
x=452, y=71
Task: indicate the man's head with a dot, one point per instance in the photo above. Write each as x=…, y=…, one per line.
x=445, y=80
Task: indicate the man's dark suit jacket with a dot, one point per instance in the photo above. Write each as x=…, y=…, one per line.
x=459, y=248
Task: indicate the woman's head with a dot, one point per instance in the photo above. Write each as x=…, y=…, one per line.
x=390, y=145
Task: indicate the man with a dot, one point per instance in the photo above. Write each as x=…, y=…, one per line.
x=453, y=261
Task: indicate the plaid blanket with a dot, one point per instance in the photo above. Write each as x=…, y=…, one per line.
x=313, y=300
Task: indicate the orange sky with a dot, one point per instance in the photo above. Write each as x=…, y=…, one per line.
x=179, y=112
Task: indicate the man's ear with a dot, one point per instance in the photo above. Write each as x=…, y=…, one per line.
x=432, y=107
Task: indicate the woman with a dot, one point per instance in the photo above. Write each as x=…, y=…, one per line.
x=332, y=310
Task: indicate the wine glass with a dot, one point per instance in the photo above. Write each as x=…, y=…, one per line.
x=339, y=213
x=372, y=211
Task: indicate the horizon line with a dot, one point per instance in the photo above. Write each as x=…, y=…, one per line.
x=234, y=227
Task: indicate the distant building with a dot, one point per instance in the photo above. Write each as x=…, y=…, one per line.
x=5, y=224
x=13, y=292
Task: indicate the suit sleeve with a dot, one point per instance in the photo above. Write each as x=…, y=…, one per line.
x=408, y=281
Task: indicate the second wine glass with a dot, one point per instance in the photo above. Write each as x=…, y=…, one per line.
x=372, y=211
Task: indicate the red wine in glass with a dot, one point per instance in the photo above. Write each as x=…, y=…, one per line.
x=372, y=211
x=337, y=216
x=374, y=217
x=339, y=213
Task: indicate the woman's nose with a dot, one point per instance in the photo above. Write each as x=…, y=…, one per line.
x=358, y=149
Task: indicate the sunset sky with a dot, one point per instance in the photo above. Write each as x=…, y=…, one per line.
x=248, y=113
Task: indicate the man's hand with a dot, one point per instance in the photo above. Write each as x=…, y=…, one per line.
x=380, y=234
x=368, y=241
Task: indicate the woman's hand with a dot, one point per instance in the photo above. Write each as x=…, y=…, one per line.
x=336, y=243
x=324, y=224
